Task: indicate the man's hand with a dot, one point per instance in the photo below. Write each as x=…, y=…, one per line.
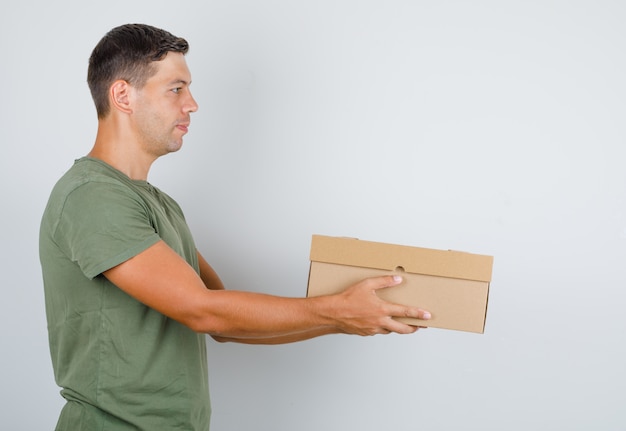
x=360, y=311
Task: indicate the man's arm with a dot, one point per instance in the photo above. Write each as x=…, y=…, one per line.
x=161, y=279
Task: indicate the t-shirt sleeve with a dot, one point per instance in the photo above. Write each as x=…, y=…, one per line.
x=103, y=225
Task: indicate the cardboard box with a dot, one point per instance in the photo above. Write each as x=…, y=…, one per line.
x=452, y=285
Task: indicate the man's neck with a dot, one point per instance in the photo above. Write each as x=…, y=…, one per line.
x=121, y=152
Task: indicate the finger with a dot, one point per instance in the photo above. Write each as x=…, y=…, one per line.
x=381, y=282
x=400, y=328
x=397, y=310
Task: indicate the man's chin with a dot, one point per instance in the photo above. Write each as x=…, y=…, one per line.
x=174, y=147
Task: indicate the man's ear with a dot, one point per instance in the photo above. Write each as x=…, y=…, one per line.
x=120, y=96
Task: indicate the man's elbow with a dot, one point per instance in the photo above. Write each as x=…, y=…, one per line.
x=209, y=326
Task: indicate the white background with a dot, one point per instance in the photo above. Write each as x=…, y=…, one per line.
x=494, y=127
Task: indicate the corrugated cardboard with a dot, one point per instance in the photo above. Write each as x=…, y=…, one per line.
x=452, y=285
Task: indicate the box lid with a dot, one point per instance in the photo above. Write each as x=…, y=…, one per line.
x=416, y=260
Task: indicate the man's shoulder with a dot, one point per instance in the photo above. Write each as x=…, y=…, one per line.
x=85, y=183
x=86, y=170
x=93, y=178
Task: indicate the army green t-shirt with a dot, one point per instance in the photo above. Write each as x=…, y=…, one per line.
x=121, y=365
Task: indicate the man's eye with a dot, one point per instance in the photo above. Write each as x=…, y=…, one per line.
x=176, y=90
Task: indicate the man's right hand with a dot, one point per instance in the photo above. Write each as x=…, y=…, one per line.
x=360, y=311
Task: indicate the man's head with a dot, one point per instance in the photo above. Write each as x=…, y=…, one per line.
x=127, y=53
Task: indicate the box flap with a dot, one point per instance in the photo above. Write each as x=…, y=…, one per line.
x=416, y=260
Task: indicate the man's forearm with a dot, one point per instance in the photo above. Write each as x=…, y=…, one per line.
x=239, y=315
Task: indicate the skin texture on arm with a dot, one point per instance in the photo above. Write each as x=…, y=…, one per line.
x=161, y=279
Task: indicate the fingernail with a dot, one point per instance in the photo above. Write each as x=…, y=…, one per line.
x=426, y=315
x=397, y=278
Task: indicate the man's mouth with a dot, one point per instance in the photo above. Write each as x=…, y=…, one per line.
x=184, y=127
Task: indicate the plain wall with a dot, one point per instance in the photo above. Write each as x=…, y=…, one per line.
x=487, y=126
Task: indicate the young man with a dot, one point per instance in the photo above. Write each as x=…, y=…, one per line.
x=129, y=299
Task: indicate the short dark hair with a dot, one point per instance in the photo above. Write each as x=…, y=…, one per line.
x=127, y=52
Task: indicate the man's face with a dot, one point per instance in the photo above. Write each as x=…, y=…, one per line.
x=162, y=107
